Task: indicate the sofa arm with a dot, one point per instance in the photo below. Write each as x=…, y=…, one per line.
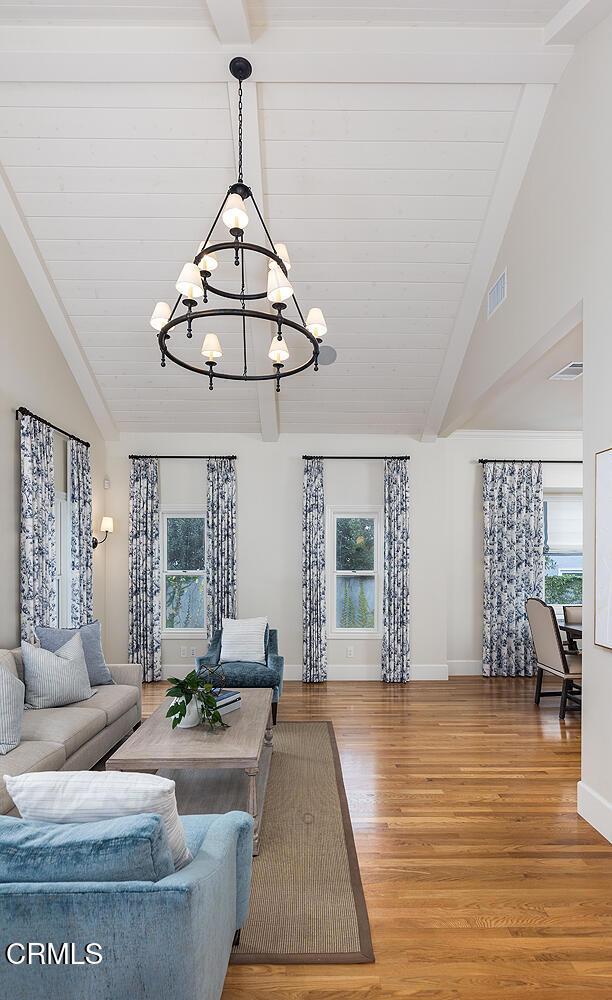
x=229, y=833
x=278, y=664
x=128, y=673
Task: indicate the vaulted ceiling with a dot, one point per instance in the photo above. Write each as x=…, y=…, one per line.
x=387, y=159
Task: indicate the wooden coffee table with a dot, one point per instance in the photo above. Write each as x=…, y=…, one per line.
x=214, y=771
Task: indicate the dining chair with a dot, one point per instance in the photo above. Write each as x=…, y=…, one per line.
x=572, y=615
x=551, y=656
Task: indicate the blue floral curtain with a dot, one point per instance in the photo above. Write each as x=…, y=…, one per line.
x=220, y=542
x=314, y=608
x=513, y=500
x=144, y=637
x=79, y=497
x=37, y=568
x=396, y=575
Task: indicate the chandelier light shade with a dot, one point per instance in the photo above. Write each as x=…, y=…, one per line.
x=211, y=348
x=161, y=315
x=283, y=253
x=279, y=286
x=278, y=351
x=193, y=284
x=235, y=215
x=189, y=282
x=315, y=322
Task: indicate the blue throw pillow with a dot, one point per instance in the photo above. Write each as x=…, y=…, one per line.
x=126, y=849
x=53, y=638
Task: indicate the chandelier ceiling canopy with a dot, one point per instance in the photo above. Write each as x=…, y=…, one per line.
x=194, y=284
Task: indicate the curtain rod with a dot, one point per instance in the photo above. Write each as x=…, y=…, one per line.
x=182, y=457
x=28, y=413
x=543, y=461
x=358, y=458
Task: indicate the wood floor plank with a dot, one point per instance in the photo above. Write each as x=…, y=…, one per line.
x=481, y=880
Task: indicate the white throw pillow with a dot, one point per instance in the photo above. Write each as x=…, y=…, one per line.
x=55, y=679
x=88, y=796
x=11, y=710
x=243, y=639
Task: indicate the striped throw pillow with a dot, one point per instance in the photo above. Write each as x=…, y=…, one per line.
x=243, y=639
x=89, y=796
x=55, y=679
x=11, y=710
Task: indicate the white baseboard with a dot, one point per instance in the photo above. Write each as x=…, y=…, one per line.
x=595, y=810
x=370, y=672
x=465, y=668
x=337, y=671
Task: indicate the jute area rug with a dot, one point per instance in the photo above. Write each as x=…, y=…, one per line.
x=307, y=902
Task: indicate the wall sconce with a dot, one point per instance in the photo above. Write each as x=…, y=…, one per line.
x=106, y=525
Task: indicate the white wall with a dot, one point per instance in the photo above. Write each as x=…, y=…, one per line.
x=446, y=533
x=34, y=374
x=557, y=251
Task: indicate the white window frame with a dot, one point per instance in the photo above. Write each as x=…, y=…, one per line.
x=575, y=496
x=333, y=513
x=179, y=633
x=63, y=555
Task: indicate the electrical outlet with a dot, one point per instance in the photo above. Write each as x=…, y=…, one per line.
x=183, y=652
x=193, y=651
x=350, y=652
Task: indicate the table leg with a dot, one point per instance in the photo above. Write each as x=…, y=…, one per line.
x=269, y=732
x=252, y=773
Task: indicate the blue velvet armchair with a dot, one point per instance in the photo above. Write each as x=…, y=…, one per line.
x=158, y=939
x=247, y=675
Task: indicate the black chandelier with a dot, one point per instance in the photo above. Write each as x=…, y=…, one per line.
x=194, y=283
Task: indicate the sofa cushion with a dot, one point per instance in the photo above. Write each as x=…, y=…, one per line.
x=71, y=727
x=249, y=675
x=113, y=699
x=31, y=756
x=55, y=679
x=195, y=828
x=243, y=639
x=89, y=796
x=53, y=638
x=126, y=849
x=7, y=662
x=11, y=710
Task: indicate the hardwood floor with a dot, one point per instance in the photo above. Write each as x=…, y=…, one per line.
x=481, y=881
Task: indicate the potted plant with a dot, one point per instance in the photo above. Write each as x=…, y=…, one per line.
x=194, y=702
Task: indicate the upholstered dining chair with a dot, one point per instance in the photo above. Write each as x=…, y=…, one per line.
x=551, y=656
x=572, y=615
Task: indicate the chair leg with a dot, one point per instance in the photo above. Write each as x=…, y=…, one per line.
x=274, y=711
x=538, y=685
x=236, y=940
x=563, y=705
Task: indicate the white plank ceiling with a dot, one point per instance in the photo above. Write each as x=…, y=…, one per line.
x=379, y=189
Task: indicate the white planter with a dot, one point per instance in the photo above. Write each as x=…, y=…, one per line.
x=192, y=716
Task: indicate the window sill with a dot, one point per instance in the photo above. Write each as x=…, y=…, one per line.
x=175, y=633
x=357, y=634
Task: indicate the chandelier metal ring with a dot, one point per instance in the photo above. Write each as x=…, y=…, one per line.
x=193, y=284
x=164, y=335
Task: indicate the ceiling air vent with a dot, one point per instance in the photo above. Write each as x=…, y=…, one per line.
x=569, y=373
x=497, y=293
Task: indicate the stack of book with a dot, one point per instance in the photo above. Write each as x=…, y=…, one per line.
x=227, y=701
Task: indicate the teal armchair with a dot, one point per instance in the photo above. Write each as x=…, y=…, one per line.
x=241, y=674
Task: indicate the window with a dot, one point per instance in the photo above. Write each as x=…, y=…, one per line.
x=183, y=564
x=63, y=532
x=354, y=551
x=563, y=548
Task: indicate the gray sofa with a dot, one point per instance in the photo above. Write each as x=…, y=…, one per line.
x=75, y=737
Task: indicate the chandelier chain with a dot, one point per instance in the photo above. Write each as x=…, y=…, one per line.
x=240, y=178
